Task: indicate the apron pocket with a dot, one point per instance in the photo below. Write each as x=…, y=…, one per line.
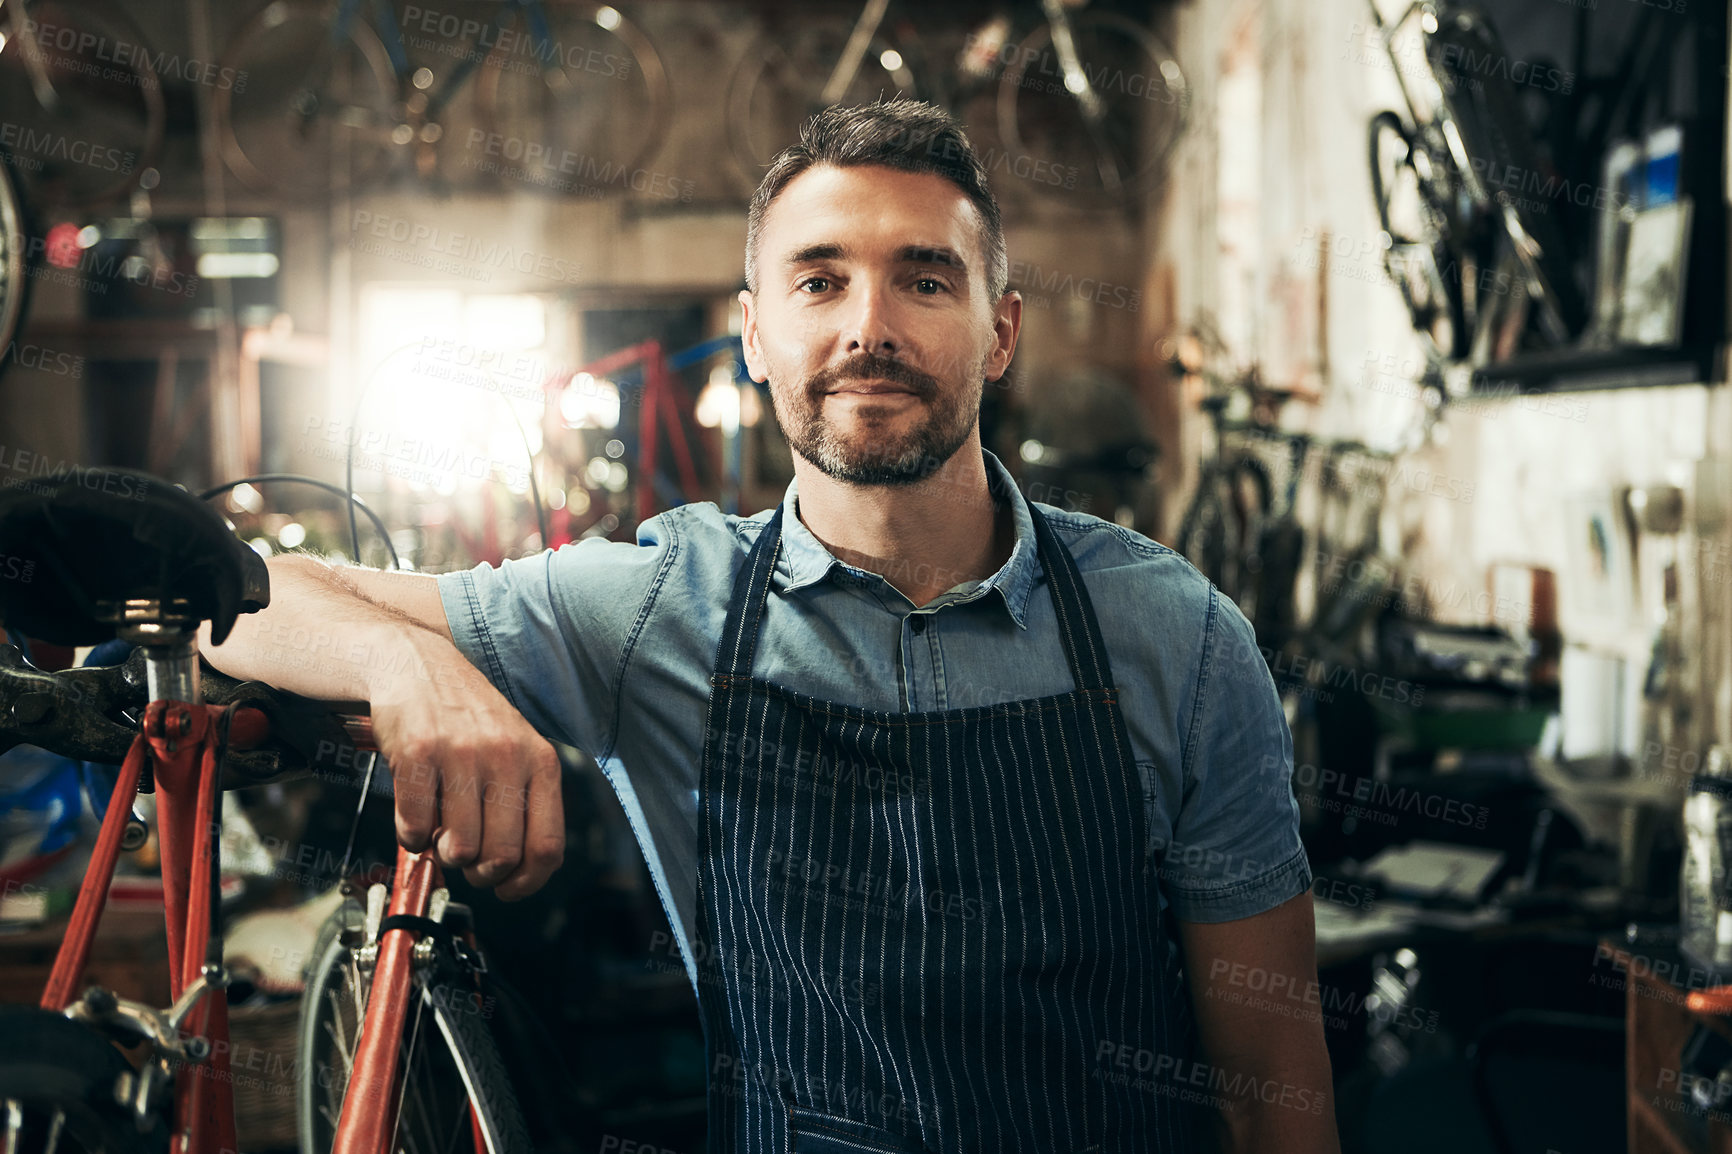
x=810, y=1132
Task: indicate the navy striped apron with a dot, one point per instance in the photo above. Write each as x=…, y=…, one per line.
x=931, y=931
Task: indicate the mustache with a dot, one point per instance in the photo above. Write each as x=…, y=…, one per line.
x=872, y=367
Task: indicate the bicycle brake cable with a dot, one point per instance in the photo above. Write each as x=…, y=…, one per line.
x=355, y=826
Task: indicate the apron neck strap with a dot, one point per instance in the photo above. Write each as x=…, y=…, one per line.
x=1084, y=647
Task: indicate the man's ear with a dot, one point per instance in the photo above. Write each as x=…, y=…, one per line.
x=1006, y=324
x=753, y=348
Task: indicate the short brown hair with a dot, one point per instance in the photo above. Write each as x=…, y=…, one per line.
x=910, y=135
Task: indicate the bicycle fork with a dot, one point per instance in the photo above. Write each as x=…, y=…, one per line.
x=368, y=1124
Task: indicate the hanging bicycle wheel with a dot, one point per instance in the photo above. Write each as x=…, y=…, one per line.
x=313, y=109
x=780, y=83
x=59, y=1082
x=15, y=260
x=454, y=1096
x=1105, y=123
x=576, y=102
x=83, y=104
x=1493, y=132
x=1417, y=245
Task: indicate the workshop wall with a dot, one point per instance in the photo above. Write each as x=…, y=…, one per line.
x=1313, y=305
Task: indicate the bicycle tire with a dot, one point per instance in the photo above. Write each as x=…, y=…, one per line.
x=477, y=1075
x=1416, y=263
x=600, y=125
x=111, y=116
x=52, y=1065
x=1132, y=70
x=16, y=261
x=1492, y=129
x=1219, y=530
x=264, y=134
x=1199, y=541
x=778, y=84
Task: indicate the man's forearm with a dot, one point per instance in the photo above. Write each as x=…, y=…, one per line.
x=1288, y=1109
x=321, y=638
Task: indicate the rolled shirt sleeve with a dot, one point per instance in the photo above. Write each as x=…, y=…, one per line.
x=1235, y=850
x=564, y=618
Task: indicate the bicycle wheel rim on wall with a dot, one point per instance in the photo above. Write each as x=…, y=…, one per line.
x=108, y=117
x=580, y=110
x=286, y=54
x=779, y=83
x=1145, y=110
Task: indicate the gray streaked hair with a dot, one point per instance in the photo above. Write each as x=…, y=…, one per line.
x=909, y=135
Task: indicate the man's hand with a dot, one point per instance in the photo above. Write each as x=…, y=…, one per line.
x=472, y=778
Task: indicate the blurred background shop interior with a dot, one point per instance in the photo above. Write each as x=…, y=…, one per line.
x=1407, y=326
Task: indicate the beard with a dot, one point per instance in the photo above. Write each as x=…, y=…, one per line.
x=869, y=452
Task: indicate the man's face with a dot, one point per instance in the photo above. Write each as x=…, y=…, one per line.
x=871, y=322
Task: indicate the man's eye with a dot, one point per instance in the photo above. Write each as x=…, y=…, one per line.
x=928, y=285
x=816, y=284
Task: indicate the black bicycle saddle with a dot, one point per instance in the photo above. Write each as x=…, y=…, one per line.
x=74, y=546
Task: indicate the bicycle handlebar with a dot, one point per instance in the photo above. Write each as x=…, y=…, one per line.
x=89, y=714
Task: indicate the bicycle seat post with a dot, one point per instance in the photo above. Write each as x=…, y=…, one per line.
x=168, y=633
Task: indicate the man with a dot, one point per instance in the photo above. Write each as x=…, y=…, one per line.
x=951, y=866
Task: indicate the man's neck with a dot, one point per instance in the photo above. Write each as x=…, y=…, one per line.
x=924, y=538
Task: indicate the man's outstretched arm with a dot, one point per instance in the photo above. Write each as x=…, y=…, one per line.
x=471, y=776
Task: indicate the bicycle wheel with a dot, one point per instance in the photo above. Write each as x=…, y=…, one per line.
x=1418, y=252
x=81, y=97
x=15, y=260
x=1220, y=530
x=1119, y=146
x=454, y=1091
x=576, y=102
x=1492, y=129
x=58, y=1086
x=780, y=82
x=312, y=107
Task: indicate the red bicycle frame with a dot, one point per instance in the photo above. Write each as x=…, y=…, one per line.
x=179, y=740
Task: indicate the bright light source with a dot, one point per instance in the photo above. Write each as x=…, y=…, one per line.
x=890, y=59
x=719, y=403
x=232, y=265
x=446, y=394
x=261, y=546
x=1032, y=451
x=292, y=535
x=506, y=320
x=1075, y=83
x=614, y=448
x=589, y=403
x=245, y=498
x=608, y=17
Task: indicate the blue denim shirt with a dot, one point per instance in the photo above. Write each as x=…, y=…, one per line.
x=609, y=646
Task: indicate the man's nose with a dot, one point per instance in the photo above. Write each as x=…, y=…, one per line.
x=870, y=326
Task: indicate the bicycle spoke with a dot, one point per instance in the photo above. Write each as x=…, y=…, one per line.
x=408, y=1071
x=423, y=1111
x=334, y=1028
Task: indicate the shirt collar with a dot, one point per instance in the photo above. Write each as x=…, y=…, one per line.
x=805, y=561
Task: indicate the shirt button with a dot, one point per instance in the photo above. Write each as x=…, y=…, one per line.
x=918, y=624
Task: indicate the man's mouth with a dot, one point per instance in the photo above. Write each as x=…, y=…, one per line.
x=871, y=388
